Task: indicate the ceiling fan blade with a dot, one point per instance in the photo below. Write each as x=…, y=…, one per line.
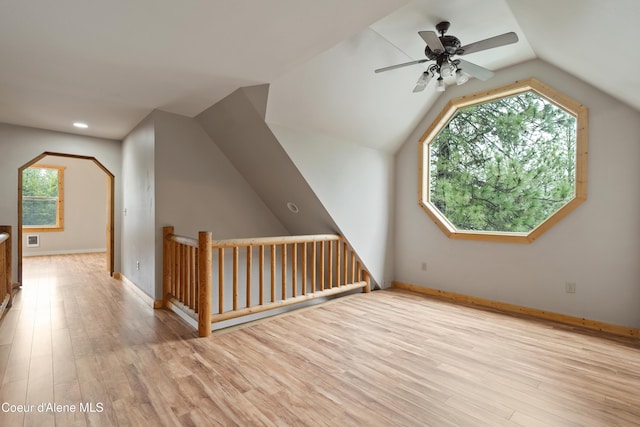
x=432, y=40
x=474, y=70
x=422, y=82
x=393, y=67
x=490, y=43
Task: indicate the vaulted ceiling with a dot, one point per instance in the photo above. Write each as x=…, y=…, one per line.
x=110, y=63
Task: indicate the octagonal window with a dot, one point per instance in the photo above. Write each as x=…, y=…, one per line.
x=504, y=165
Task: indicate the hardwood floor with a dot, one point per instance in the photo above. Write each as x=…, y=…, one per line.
x=388, y=358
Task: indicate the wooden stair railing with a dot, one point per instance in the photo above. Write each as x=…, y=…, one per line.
x=6, y=285
x=275, y=272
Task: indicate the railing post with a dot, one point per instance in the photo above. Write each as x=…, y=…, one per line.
x=8, y=266
x=366, y=278
x=205, y=260
x=166, y=264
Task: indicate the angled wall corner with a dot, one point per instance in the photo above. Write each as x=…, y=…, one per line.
x=237, y=125
x=258, y=96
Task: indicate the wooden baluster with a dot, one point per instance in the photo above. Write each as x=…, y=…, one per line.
x=187, y=273
x=304, y=268
x=322, y=265
x=294, y=270
x=353, y=267
x=273, y=273
x=196, y=285
x=188, y=287
x=344, y=263
x=176, y=270
x=192, y=276
x=314, y=254
x=185, y=266
x=172, y=270
x=179, y=281
x=337, y=283
x=235, y=277
x=220, y=280
x=183, y=274
x=330, y=271
x=249, y=266
x=205, y=270
x=261, y=256
x=284, y=272
x=359, y=271
x=179, y=272
x=169, y=289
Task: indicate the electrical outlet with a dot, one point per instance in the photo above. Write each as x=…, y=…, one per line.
x=137, y=265
x=570, y=287
x=424, y=266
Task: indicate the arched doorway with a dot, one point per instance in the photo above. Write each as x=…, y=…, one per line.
x=109, y=202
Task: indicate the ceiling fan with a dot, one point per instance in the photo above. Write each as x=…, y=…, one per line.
x=443, y=48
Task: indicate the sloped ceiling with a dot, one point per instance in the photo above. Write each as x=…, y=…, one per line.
x=337, y=92
x=590, y=39
x=111, y=63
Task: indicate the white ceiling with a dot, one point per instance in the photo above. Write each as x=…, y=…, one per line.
x=111, y=63
x=337, y=92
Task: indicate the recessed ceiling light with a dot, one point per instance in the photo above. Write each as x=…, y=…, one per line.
x=81, y=125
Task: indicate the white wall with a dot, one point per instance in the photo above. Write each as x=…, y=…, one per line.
x=85, y=210
x=139, y=206
x=176, y=175
x=338, y=186
x=237, y=126
x=355, y=184
x=198, y=189
x=597, y=246
x=19, y=145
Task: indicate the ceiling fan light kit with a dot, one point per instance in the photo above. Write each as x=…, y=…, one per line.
x=442, y=48
x=461, y=78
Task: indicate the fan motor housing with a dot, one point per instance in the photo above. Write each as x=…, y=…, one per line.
x=451, y=45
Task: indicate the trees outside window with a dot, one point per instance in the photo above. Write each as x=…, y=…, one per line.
x=504, y=165
x=42, y=198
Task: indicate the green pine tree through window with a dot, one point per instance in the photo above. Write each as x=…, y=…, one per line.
x=503, y=164
x=41, y=197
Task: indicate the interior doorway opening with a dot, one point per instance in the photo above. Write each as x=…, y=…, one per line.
x=109, y=226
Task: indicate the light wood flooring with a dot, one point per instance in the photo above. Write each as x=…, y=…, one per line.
x=388, y=358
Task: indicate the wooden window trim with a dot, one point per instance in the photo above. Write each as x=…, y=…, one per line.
x=60, y=206
x=561, y=100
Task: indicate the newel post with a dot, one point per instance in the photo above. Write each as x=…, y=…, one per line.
x=367, y=278
x=166, y=264
x=205, y=260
